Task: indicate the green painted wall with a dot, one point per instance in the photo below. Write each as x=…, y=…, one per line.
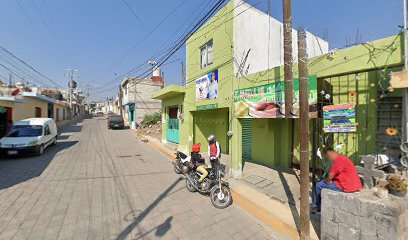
x=219, y=29
x=271, y=143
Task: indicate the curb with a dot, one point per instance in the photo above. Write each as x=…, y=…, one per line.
x=278, y=228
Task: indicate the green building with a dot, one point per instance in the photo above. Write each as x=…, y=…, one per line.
x=232, y=57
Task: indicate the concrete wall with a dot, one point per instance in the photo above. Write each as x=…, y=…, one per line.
x=362, y=215
x=251, y=33
x=139, y=92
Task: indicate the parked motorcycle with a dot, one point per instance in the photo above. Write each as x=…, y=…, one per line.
x=181, y=162
x=214, y=183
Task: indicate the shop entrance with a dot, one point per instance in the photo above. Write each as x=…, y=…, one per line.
x=5, y=120
x=172, y=126
x=209, y=122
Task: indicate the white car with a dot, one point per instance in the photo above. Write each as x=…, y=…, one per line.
x=31, y=135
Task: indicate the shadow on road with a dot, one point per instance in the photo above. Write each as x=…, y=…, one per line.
x=162, y=229
x=15, y=170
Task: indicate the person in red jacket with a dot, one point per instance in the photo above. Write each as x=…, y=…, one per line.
x=342, y=177
x=214, y=150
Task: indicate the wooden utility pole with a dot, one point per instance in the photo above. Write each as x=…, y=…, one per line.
x=120, y=100
x=287, y=57
x=304, y=136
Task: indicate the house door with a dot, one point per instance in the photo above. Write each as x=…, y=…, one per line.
x=50, y=110
x=37, y=112
x=5, y=120
x=57, y=118
x=172, y=127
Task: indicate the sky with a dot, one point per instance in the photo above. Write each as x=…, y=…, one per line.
x=105, y=39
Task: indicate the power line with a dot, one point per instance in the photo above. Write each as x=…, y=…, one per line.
x=29, y=66
x=143, y=38
x=181, y=40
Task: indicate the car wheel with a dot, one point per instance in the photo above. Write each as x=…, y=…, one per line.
x=40, y=150
x=54, y=142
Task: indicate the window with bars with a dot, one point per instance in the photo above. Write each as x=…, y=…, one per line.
x=389, y=117
x=207, y=54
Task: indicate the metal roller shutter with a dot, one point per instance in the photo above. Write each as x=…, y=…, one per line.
x=246, y=139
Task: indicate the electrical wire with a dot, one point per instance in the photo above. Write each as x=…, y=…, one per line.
x=29, y=66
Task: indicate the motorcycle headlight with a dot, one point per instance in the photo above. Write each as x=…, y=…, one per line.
x=32, y=143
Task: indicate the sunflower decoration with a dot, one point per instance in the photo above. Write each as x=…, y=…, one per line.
x=352, y=94
x=391, y=131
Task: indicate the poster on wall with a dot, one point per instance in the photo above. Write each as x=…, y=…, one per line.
x=207, y=86
x=339, y=118
x=268, y=101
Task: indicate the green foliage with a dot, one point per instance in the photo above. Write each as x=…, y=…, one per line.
x=153, y=118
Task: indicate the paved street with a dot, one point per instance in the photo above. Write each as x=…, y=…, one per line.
x=107, y=184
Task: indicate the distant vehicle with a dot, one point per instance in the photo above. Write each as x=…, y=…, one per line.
x=31, y=135
x=99, y=113
x=115, y=121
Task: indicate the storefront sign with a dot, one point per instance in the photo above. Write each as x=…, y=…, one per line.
x=268, y=101
x=339, y=118
x=207, y=107
x=207, y=86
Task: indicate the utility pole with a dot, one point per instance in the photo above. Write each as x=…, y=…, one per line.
x=287, y=57
x=72, y=84
x=304, y=136
x=120, y=100
x=405, y=91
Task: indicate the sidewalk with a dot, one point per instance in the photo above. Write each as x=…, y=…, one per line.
x=262, y=193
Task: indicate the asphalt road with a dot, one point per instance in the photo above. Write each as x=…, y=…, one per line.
x=107, y=184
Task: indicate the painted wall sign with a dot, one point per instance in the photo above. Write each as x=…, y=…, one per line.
x=339, y=118
x=207, y=107
x=207, y=86
x=268, y=101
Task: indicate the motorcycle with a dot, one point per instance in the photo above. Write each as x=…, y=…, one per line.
x=214, y=183
x=181, y=162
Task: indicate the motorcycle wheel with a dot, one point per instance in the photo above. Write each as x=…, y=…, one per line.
x=221, y=198
x=190, y=186
x=177, y=169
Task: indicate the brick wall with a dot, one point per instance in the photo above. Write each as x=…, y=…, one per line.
x=362, y=215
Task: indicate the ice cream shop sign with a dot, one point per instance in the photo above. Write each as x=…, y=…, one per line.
x=268, y=101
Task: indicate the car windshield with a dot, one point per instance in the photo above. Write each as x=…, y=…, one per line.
x=115, y=118
x=25, y=131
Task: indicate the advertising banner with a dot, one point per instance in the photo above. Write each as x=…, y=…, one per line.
x=268, y=101
x=339, y=118
x=207, y=86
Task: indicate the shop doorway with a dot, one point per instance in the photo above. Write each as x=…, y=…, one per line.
x=172, y=126
x=209, y=122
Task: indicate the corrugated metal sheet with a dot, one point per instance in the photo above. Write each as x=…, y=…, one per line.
x=246, y=139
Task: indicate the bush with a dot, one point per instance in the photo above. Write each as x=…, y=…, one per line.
x=151, y=119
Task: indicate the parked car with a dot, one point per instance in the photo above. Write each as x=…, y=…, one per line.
x=115, y=121
x=31, y=135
